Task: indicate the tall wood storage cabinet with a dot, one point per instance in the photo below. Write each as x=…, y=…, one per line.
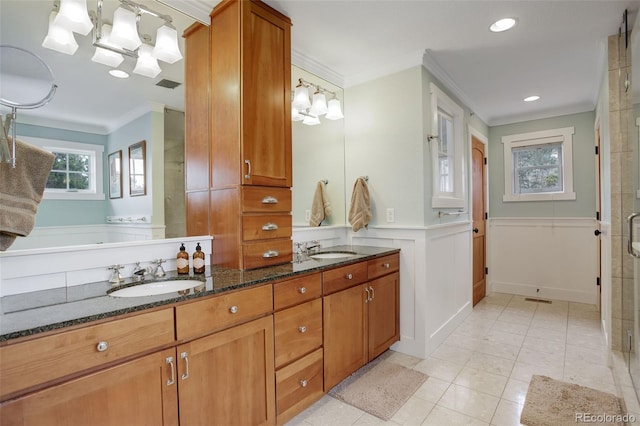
x=249, y=128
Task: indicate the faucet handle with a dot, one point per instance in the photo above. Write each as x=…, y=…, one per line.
x=116, y=277
x=159, y=270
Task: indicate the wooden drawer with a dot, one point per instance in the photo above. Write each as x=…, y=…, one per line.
x=298, y=331
x=34, y=362
x=223, y=311
x=298, y=385
x=344, y=277
x=296, y=291
x=266, y=226
x=264, y=199
x=267, y=253
x=383, y=265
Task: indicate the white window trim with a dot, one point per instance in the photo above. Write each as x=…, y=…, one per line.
x=456, y=198
x=51, y=145
x=565, y=135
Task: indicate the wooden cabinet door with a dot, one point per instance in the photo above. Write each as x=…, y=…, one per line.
x=345, y=346
x=228, y=378
x=138, y=392
x=383, y=315
x=266, y=102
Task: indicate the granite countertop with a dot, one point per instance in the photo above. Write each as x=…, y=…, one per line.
x=36, y=312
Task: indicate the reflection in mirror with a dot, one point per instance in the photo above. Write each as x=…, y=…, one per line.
x=318, y=155
x=137, y=175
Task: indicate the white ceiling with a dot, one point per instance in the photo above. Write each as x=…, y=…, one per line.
x=556, y=51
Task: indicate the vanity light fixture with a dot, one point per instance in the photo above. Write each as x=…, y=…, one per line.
x=303, y=110
x=503, y=25
x=119, y=74
x=113, y=41
x=531, y=98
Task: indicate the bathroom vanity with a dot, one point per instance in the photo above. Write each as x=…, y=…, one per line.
x=241, y=347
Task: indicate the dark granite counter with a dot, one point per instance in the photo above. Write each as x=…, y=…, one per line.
x=31, y=313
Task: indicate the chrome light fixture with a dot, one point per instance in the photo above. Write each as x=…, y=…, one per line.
x=308, y=113
x=114, y=42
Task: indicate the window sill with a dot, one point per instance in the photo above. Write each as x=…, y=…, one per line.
x=559, y=196
x=447, y=202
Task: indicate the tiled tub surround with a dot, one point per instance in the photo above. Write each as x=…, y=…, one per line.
x=40, y=311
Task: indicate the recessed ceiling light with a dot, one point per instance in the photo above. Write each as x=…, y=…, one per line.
x=503, y=25
x=119, y=74
x=531, y=98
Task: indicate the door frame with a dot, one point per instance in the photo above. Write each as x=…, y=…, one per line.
x=475, y=133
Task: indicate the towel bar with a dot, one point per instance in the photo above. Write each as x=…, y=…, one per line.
x=458, y=213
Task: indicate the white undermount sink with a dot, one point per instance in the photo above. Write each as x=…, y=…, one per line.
x=154, y=288
x=333, y=255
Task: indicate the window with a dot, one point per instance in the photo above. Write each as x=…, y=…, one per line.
x=538, y=165
x=76, y=173
x=447, y=151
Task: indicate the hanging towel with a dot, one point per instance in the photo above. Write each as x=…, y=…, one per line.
x=360, y=210
x=320, y=207
x=21, y=190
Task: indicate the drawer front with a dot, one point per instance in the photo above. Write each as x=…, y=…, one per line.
x=226, y=310
x=266, y=226
x=298, y=385
x=383, y=265
x=267, y=253
x=344, y=277
x=298, y=331
x=38, y=361
x=296, y=291
x=264, y=199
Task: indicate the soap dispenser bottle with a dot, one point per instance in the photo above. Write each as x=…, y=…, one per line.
x=198, y=260
x=182, y=261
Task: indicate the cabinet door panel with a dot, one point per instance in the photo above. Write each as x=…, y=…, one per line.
x=384, y=320
x=298, y=330
x=230, y=378
x=134, y=393
x=345, y=346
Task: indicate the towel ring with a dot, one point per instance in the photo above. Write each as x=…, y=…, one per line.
x=19, y=69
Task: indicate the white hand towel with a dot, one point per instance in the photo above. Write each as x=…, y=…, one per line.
x=360, y=210
x=320, y=207
x=21, y=190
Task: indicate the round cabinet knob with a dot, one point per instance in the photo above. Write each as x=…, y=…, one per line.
x=102, y=346
x=302, y=329
x=386, y=265
x=349, y=276
x=304, y=383
x=233, y=309
x=302, y=290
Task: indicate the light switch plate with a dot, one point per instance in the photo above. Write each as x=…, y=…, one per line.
x=307, y=215
x=391, y=215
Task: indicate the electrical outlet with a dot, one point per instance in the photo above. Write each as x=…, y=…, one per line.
x=391, y=215
x=307, y=215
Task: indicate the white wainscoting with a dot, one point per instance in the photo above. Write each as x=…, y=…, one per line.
x=550, y=258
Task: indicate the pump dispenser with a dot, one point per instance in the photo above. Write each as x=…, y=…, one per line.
x=198, y=260
x=182, y=261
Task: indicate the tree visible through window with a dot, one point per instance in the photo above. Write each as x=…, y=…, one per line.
x=538, y=169
x=70, y=172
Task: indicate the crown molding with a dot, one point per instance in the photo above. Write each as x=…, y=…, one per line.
x=390, y=66
x=299, y=59
x=196, y=9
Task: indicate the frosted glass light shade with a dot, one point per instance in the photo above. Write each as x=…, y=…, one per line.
x=73, y=16
x=319, y=106
x=104, y=56
x=334, y=111
x=146, y=65
x=166, y=48
x=58, y=38
x=125, y=30
x=311, y=120
x=301, y=98
x=295, y=115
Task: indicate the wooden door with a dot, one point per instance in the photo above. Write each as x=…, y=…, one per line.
x=138, y=392
x=479, y=242
x=266, y=91
x=228, y=378
x=383, y=314
x=345, y=345
x=598, y=218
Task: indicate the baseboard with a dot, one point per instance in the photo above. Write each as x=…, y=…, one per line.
x=544, y=293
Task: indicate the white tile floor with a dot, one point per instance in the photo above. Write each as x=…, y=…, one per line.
x=480, y=373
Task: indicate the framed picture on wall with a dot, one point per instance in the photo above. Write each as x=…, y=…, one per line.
x=115, y=174
x=137, y=167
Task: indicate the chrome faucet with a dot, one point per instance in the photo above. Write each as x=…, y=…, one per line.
x=158, y=271
x=312, y=245
x=139, y=273
x=116, y=276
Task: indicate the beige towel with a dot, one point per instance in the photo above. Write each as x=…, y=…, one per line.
x=360, y=210
x=21, y=190
x=320, y=207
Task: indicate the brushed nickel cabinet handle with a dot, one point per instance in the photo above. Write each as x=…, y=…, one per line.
x=304, y=383
x=269, y=200
x=302, y=290
x=270, y=253
x=185, y=356
x=102, y=346
x=233, y=309
x=172, y=380
x=302, y=329
x=248, y=175
x=386, y=265
x=349, y=276
x=269, y=227
x=373, y=293
x=368, y=299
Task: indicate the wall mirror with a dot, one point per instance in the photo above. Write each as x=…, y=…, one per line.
x=115, y=174
x=137, y=169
